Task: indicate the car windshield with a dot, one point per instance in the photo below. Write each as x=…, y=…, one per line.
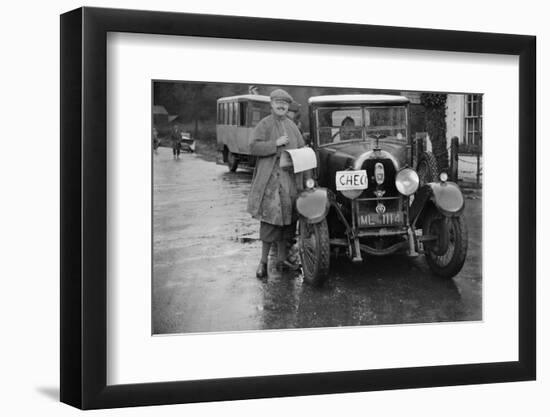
x=337, y=124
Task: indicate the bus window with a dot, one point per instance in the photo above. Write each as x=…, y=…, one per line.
x=258, y=112
x=233, y=118
x=225, y=113
x=242, y=113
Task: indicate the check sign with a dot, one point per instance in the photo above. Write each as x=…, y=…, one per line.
x=352, y=180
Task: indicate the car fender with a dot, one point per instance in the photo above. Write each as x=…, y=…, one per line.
x=313, y=205
x=445, y=196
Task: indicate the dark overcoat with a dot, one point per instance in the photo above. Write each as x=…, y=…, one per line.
x=264, y=146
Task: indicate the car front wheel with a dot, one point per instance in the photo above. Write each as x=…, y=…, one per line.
x=446, y=250
x=314, y=251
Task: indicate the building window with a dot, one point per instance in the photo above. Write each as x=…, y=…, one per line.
x=473, y=119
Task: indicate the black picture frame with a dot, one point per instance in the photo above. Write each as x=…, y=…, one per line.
x=84, y=207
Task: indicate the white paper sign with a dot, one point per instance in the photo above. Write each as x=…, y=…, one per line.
x=351, y=180
x=302, y=159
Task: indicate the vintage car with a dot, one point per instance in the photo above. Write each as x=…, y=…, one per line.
x=372, y=194
x=187, y=144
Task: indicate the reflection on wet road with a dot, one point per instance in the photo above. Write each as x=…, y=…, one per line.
x=205, y=253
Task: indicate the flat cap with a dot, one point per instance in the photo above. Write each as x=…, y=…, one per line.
x=280, y=94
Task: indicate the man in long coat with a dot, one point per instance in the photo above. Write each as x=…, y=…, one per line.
x=274, y=189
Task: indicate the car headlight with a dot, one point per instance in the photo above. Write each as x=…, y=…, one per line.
x=310, y=183
x=407, y=181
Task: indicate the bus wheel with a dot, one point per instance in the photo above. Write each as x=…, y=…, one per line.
x=232, y=161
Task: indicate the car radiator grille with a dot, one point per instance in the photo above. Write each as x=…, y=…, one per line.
x=369, y=204
x=388, y=186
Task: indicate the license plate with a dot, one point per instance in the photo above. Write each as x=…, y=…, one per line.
x=375, y=219
x=352, y=180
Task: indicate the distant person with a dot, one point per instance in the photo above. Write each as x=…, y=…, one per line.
x=156, y=141
x=176, y=142
x=294, y=115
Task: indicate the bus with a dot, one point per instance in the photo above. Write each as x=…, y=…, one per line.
x=236, y=118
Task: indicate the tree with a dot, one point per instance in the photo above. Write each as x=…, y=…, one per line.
x=436, y=125
x=192, y=102
x=197, y=102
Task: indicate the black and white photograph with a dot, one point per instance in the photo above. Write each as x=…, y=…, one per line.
x=279, y=207
x=270, y=209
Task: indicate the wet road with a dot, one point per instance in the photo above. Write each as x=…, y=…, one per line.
x=205, y=253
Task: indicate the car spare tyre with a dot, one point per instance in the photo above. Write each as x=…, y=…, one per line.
x=427, y=168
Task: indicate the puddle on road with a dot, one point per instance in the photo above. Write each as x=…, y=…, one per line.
x=246, y=239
